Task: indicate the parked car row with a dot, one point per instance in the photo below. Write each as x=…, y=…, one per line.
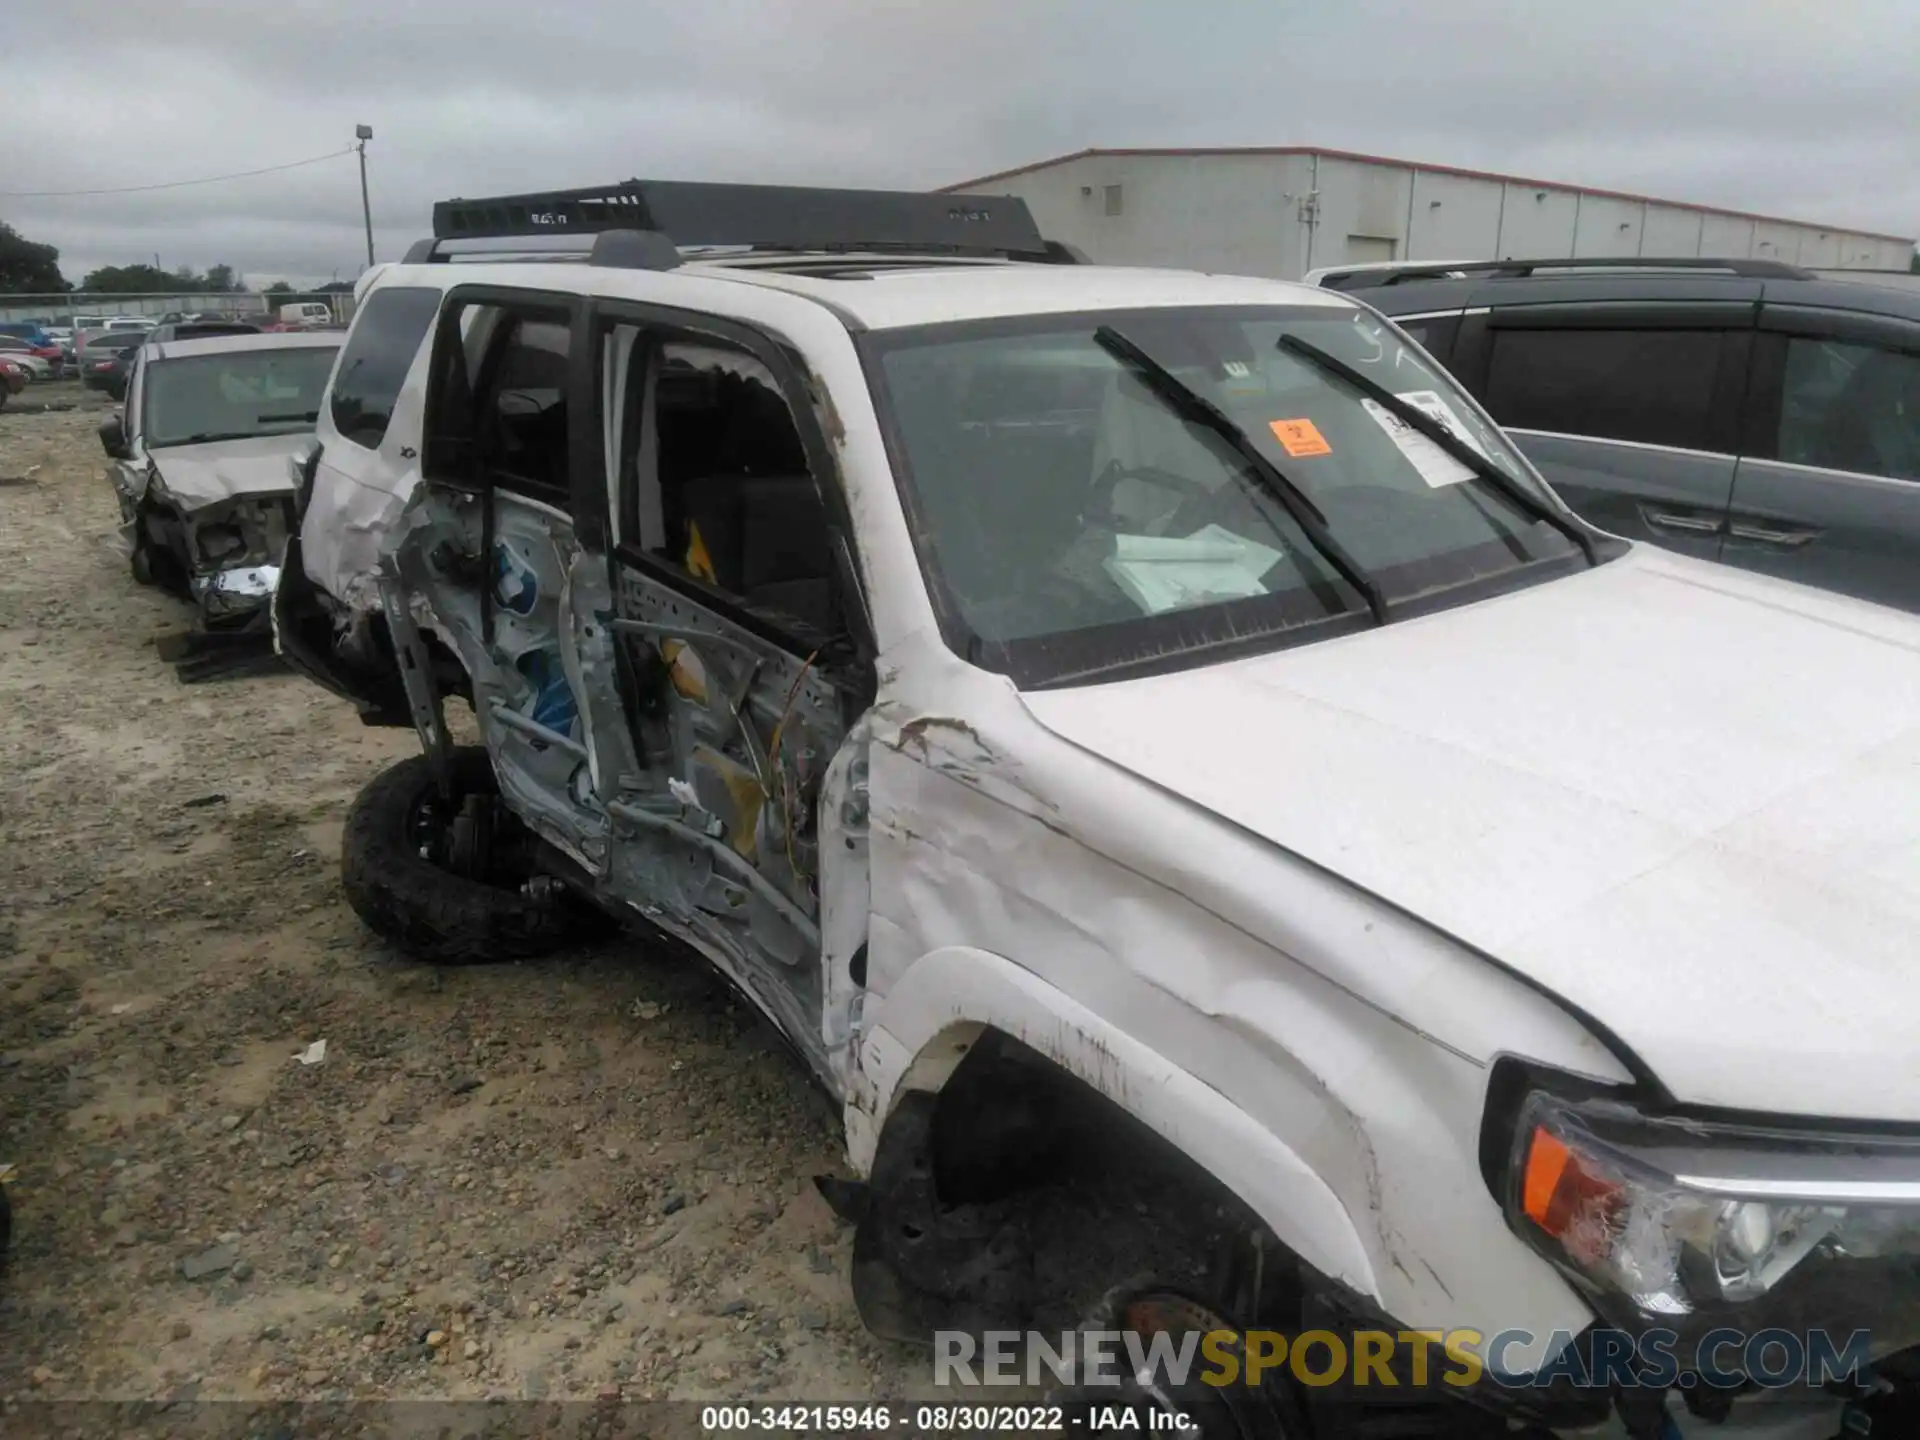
x=59, y=345
x=1161, y=721
x=42, y=360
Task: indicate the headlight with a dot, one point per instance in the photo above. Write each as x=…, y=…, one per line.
x=1695, y=1225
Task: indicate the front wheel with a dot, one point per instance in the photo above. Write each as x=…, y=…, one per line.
x=451, y=880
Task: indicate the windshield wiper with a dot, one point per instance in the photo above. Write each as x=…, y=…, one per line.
x=1190, y=403
x=1482, y=467
x=304, y=416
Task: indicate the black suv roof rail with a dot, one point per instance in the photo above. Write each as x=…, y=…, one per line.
x=1520, y=269
x=645, y=223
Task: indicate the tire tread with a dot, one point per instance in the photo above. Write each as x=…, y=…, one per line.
x=431, y=913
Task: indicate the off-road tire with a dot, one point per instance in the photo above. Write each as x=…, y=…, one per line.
x=431, y=913
x=141, y=561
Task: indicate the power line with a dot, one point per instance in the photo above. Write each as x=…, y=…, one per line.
x=171, y=184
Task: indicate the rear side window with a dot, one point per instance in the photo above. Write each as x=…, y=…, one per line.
x=522, y=417
x=386, y=336
x=1654, y=387
x=498, y=409
x=1851, y=407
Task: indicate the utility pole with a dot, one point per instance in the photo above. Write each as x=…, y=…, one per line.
x=364, y=133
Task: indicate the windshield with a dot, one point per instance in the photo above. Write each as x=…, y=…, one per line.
x=233, y=395
x=1096, y=491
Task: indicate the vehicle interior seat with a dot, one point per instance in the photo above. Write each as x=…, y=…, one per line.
x=758, y=512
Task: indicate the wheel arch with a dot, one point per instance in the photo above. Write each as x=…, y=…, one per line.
x=952, y=999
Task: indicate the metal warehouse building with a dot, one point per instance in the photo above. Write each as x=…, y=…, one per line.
x=1283, y=211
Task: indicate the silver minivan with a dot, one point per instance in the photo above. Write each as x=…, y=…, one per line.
x=1746, y=412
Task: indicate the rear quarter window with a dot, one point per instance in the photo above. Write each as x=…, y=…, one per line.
x=386, y=336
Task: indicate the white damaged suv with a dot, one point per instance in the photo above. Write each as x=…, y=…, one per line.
x=1097, y=712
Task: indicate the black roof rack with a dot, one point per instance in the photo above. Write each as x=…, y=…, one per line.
x=1520, y=269
x=681, y=214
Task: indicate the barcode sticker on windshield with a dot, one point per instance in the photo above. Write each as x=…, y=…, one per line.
x=1435, y=465
x=1430, y=403
x=1300, y=438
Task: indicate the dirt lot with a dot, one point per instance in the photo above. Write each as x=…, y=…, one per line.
x=582, y=1177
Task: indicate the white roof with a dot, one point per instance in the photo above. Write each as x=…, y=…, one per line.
x=891, y=293
x=894, y=298
x=227, y=344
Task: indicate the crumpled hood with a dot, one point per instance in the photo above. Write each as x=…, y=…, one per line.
x=201, y=475
x=1685, y=799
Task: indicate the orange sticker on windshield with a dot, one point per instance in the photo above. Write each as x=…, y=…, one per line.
x=1300, y=438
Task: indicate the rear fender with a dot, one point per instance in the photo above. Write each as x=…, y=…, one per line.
x=306, y=636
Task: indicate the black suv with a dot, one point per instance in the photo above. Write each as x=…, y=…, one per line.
x=1741, y=411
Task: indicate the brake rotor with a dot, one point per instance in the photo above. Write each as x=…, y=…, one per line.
x=1209, y=1413
x=470, y=838
x=1161, y=1312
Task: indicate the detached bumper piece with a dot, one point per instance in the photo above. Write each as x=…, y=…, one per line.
x=241, y=595
x=233, y=636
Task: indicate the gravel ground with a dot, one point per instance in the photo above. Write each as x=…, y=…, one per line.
x=581, y=1177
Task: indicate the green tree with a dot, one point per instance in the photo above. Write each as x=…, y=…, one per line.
x=131, y=280
x=278, y=287
x=1914, y=264
x=27, y=268
x=221, y=280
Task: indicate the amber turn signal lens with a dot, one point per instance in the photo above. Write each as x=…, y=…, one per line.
x=1546, y=1163
x=1574, y=1202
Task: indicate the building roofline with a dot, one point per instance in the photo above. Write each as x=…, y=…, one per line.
x=1358, y=158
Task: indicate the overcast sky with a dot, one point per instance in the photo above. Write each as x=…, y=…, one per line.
x=1765, y=105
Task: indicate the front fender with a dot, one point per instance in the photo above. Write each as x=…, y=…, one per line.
x=929, y=1019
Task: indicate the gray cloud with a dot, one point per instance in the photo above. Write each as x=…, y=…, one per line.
x=1752, y=104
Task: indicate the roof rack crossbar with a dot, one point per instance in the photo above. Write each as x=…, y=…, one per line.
x=755, y=217
x=1519, y=269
